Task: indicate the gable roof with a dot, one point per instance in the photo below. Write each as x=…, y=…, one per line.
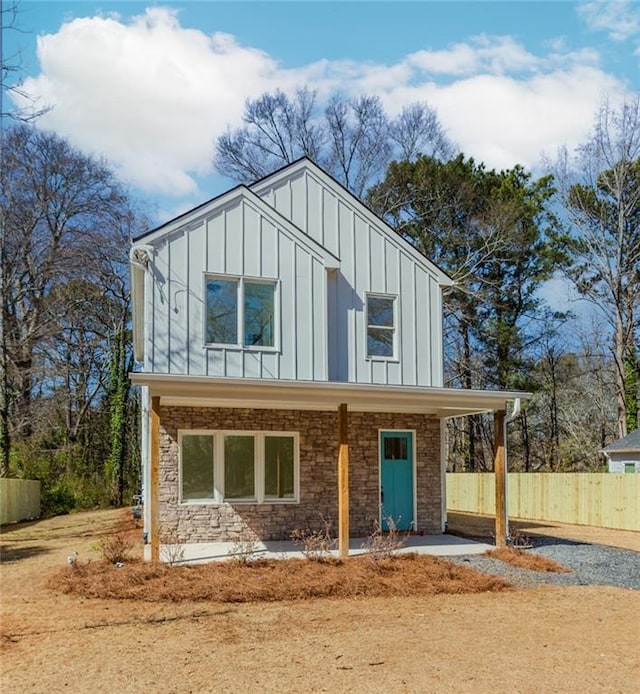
x=631, y=442
x=142, y=245
x=304, y=163
x=210, y=207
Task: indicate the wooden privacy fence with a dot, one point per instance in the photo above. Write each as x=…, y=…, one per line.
x=605, y=500
x=19, y=500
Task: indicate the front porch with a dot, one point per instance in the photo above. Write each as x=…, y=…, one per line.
x=202, y=552
x=340, y=422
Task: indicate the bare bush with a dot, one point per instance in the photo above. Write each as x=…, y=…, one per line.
x=245, y=548
x=315, y=544
x=385, y=543
x=116, y=549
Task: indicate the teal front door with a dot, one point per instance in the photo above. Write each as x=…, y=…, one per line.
x=396, y=479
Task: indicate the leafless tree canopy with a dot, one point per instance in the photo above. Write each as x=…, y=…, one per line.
x=67, y=224
x=10, y=68
x=600, y=190
x=354, y=139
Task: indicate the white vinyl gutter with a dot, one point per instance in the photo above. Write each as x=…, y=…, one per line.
x=508, y=420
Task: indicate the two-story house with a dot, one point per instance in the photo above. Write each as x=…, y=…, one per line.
x=291, y=345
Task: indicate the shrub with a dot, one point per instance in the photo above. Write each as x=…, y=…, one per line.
x=116, y=549
x=315, y=544
x=56, y=499
x=384, y=544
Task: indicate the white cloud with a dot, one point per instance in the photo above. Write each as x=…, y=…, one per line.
x=153, y=95
x=621, y=20
x=503, y=121
x=494, y=54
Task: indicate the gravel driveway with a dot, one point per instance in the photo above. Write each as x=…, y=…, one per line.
x=590, y=564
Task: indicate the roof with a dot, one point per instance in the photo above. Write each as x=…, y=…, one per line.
x=304, y=163
x=260, y=185
x=630, y=443
x=144, y=244
x=230, y=197
x=208, y=391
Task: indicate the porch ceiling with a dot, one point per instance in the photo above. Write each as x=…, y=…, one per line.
x=207, y=391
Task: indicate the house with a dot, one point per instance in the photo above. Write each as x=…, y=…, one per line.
x=292, y=367
x=623, y=455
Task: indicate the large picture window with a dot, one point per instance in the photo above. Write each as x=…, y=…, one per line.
x=254, y=467
x=240, y=311
x=381, y=326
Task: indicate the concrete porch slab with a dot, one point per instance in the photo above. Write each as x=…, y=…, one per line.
x=197, y=553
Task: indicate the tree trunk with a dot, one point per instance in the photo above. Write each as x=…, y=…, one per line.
x=621, y=403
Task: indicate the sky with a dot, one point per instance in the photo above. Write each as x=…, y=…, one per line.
x=151, y=85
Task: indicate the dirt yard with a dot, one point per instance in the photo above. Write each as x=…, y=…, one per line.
x=542, y=640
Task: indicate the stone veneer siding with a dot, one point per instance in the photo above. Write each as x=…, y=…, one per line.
x=203, y=522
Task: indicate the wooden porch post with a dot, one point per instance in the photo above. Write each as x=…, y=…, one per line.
x=500, y=473
x=154, y=496
x=343, y=482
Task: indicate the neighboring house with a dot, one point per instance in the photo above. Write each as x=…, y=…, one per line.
x=623, y=455
x=291, y=345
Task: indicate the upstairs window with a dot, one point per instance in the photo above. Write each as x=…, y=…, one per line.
x=240, y=312
x=381, y=326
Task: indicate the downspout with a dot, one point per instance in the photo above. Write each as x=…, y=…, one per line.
x=516, y=411
x=139, y=255
x=139, y=258
x=508, y=420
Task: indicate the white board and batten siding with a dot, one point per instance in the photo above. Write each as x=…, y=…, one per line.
x=372, y=259
x=327, y=252
x=239, y=237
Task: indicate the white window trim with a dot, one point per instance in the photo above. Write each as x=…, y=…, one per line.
x=218, y=497
x=241, y=279
x=394, y=298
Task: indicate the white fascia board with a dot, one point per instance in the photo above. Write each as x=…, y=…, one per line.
x=195, y=217
x=321, y=395
x=305, y=164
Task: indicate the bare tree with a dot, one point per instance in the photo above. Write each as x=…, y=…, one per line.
x=600, y=189
x=277, y=130
x=10, y=68
x=360, y=146
x=354, y=139
x=59, y=209
x=417, y=130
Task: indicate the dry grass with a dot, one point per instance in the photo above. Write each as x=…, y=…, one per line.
x=51, y=642
x=273, y=580
x=524, y=560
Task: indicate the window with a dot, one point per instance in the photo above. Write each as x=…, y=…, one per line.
x=254, y=467
x=239, y=467
x=381, y=328
x=279, y=467
x=240, y=312
x=197, y=467
x=395, y=447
